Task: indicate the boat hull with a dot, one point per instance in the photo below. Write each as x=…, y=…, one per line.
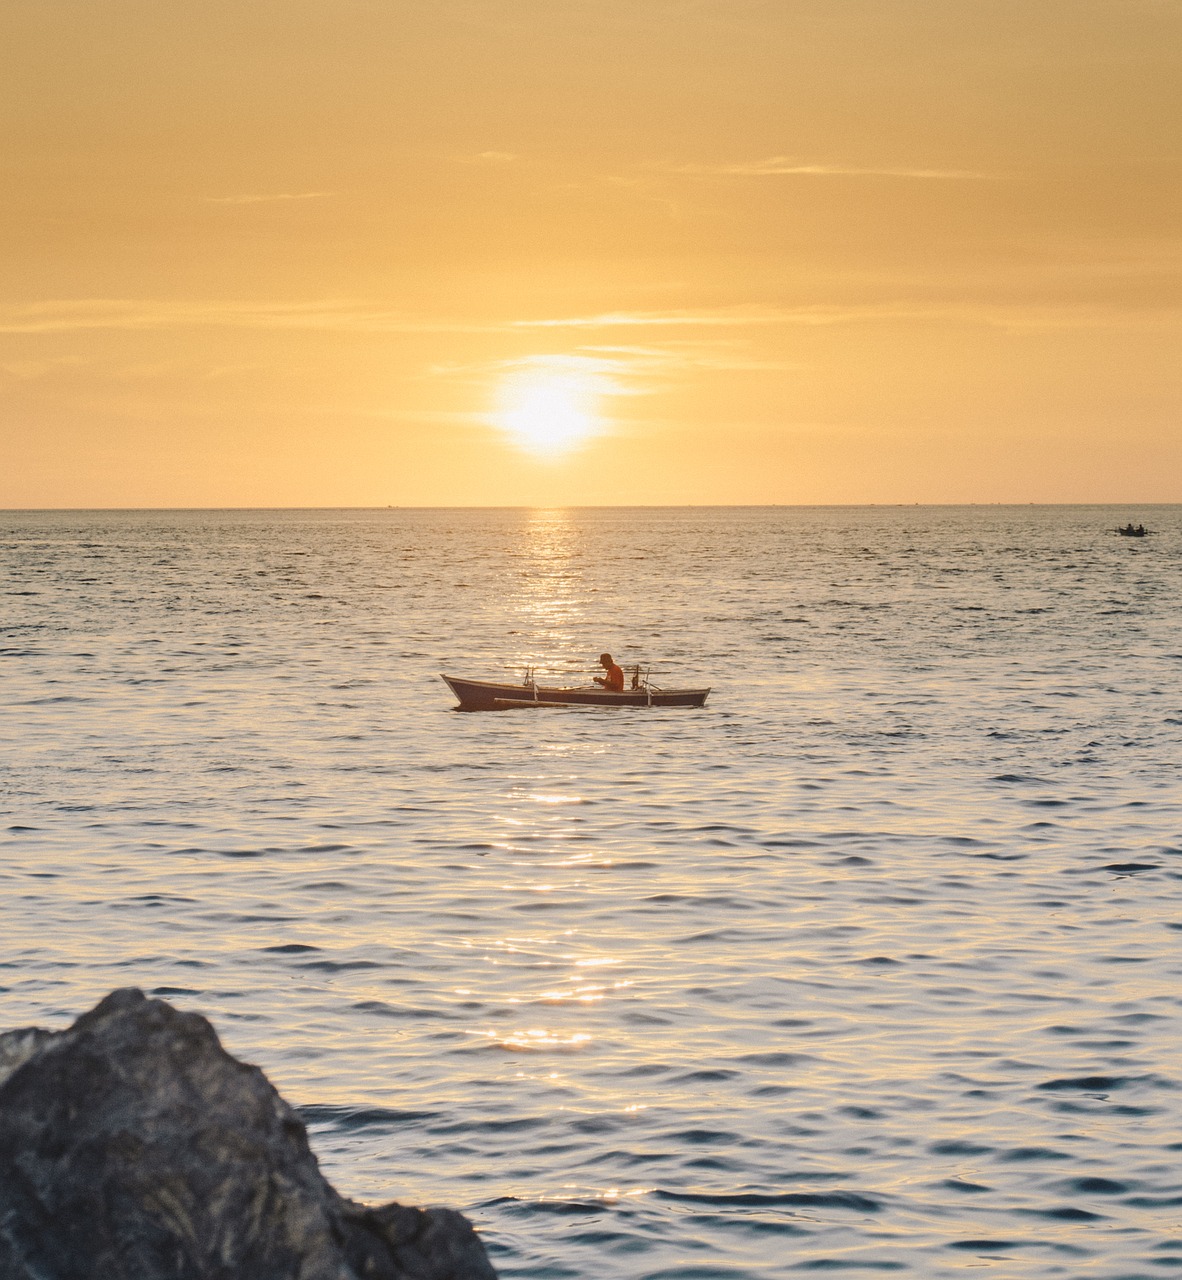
x=489, y=695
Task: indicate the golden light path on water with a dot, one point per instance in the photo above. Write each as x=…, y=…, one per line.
x=871, y=963
x=550, y=606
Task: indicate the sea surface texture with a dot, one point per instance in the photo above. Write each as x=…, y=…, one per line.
x=874, y=964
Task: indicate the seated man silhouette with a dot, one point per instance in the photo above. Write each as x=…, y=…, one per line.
x=614, y=680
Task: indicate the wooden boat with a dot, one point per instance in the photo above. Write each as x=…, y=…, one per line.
x=1127, y=531
x=497, y=695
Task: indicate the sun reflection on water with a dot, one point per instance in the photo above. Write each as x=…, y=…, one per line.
x=549, y=606
x=534, y=1039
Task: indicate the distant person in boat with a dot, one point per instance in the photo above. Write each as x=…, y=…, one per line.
x=614, y=680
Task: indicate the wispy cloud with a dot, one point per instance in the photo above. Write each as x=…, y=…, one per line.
x=271, y=198
x=30, y=370
x=778, y=166
x=76, y=315
x=489, y=157
x=605, y=364
x=717, y=354
x=612, y=370
x=345, y=316
x=1012, y=315
x=436, y=417
x=724, y=317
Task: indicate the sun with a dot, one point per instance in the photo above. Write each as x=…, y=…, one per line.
x=549, y=406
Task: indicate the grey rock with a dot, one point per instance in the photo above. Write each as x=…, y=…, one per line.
x=134, y=1147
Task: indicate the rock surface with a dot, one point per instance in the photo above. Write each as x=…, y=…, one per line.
x=133, y=1147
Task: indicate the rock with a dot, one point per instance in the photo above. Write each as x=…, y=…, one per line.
x=134, y=1147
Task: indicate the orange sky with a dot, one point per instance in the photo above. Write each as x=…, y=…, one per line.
x=293, y=252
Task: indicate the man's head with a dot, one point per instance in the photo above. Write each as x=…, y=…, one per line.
x=605, y=660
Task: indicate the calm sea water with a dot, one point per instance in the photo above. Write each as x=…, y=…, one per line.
x=873, y=964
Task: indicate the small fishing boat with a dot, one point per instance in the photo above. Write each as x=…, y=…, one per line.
x=497, y=695
x=1129, y=531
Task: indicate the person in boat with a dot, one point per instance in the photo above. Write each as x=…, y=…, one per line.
x=613, y=681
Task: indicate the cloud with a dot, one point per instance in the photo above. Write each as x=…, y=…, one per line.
x=714, y=317
x=345, y=316
x=489, y=157
x=435, y=417
x=1015, y=315
x=78, y=315
x=74, y=315
x=598, y=362
x=616, y=370
x=719, y=355
x=777, y=166
x=29, y=370
x=269, y=199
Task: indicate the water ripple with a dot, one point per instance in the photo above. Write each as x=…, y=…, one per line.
x=869, y=966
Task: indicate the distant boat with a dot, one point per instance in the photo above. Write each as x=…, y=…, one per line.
x=1128, y=531
x=496, y=695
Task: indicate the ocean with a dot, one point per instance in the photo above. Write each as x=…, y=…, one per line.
x=873, y=964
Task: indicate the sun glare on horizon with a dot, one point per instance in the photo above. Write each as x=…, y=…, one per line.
x=549, y=405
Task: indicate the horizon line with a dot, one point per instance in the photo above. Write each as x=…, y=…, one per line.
x=598, y=506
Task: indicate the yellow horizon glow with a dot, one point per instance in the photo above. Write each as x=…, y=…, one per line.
x=357, y=254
